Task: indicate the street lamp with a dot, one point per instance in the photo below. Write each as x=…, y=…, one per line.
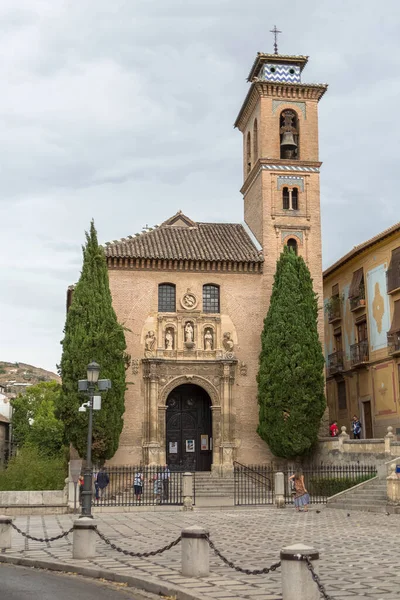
x=88, y=385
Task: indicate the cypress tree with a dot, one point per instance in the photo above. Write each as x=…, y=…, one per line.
x=290, y=378
x=92, y=332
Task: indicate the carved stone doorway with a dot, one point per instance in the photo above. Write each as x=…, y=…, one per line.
x=189, y=428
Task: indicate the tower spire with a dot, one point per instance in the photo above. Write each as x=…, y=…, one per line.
x=275, y=31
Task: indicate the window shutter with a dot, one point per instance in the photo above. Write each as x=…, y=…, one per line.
x=358, y=276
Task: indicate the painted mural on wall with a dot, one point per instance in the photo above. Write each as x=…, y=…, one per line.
x=378, y=308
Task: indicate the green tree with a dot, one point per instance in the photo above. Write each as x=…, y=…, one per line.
x=34, y=420
x=290, y=378
x=92, y=332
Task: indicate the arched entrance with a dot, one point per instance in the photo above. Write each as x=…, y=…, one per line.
x=189, y=428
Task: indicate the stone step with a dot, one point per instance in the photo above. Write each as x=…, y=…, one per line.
x=374, y=508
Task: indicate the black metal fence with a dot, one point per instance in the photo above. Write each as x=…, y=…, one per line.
x=138, y=486
x=255, y=484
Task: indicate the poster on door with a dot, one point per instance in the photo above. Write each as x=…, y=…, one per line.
x=189, y=445
x=204, y=442
x=173, y=448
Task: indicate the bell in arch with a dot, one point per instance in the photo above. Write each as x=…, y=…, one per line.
x=288, y=141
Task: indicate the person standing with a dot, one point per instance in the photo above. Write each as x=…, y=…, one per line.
x=102, y=481
x=138, y=485
x=356, y=427
x=334, y=429
x=165, y=475
x=301, y=498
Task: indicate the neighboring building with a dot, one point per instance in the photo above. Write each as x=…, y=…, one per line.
x=193, y=296
x=362, y=334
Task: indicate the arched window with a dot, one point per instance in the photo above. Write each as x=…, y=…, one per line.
x=248, y=153
x=292, y=244
x=255, y=140
x=295, y=199
x=289, y=135
x=166, y=297
x=211, y=298
x=285, y=198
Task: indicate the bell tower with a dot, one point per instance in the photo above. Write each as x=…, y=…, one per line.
x=281, y=189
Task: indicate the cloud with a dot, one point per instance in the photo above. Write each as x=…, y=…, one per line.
x=123, y=111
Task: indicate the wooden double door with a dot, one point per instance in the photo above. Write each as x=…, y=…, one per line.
x=189, y=428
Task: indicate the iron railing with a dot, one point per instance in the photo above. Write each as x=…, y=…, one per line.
x=393, y=279
x=335, y=363
x=160, y=485
x=254, y=484
x=359, y=353
x=394, y=342
x=357, y=301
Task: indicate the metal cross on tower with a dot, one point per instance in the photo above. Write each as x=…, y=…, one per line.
x=275, y=31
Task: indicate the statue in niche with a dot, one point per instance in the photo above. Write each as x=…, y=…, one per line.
x=189, y=332
x=169, y=339
x=150, y=343
x=208, y=339
x=227, y=342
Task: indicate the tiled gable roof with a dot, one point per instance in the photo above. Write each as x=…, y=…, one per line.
x=179, y=238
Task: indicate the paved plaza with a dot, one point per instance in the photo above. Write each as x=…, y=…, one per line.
x=359, y=554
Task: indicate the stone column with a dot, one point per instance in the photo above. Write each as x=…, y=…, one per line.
x=216, y=437
x=195, y=552
x=297, y=583
x=393, y=486
x=162, y=410
x=187, y=491
x=279, y=490
x=84, y=538
x=389, y=438
x=5, y=532
x=343, y=437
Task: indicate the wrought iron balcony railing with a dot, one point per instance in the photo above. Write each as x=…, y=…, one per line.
x=393, y=342
x=357, y=302
x=359, y=353
x=334, y=309
x=335, y=363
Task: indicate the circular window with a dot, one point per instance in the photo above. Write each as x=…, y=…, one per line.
x=272, y=69
x=291, y=71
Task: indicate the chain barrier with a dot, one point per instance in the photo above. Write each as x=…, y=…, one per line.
x=36, y=539
x=317, y=580
x=137, y=554
x=230, y=564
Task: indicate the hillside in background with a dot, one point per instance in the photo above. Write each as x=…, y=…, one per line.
x=11, y=373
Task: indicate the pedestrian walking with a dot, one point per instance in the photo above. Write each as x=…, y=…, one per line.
x=101, y=483
x=301, y=498
x=81, y=482
x=158, y=487
x=356, y=427
x=138, y=485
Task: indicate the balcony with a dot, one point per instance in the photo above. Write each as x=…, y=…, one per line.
x=394, y=343
x=334, y=309
x=335, y=363
x=393, y=279
x=359, y=353
x=358, y=302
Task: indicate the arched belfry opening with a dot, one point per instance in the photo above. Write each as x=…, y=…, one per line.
x=289, y=134
x=292, y=245
x=189, y=428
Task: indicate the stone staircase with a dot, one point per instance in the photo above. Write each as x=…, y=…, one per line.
x=213, y=490
x=369, y=496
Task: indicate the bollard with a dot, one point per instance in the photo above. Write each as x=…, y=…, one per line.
x=187, y=491
x=280, y=490
x=84, y=538
x=5, y=532
x=195, y=552
x=297, y=583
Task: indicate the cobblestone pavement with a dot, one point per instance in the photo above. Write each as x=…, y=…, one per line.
x=359, y=554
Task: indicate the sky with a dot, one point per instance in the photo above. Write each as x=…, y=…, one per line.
x=123, y=111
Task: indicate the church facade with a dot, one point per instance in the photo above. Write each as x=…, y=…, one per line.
x=193, y=295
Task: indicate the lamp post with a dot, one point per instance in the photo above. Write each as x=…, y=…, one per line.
x=93, y=371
